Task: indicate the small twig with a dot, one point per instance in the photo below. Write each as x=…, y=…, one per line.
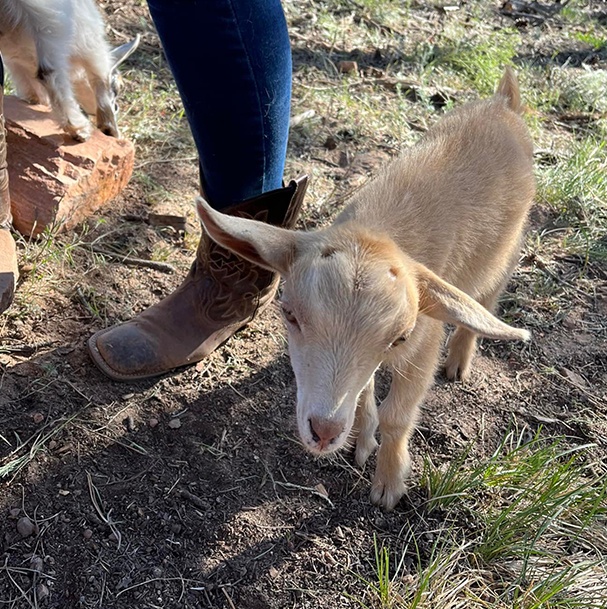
x=24, y=349
x=194, y=499
x=225, y=593
x=96, y=501
x=158, y=579
x=164, y=267
x=289, y=485
x=185, y=159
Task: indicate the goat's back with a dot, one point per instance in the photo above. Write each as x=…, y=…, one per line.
x=458, y=200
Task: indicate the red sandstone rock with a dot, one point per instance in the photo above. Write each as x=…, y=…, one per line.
x=52, y=178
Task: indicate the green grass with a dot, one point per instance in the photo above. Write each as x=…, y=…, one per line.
x=576, y=189
x=539, y=538
x=478, y=59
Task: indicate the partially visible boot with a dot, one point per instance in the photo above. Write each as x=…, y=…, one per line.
x=220, y=295
x=8, y=255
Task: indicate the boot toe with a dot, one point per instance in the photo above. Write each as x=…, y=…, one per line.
x=126, y=353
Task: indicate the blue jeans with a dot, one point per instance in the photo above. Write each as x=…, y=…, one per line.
x=231, y=60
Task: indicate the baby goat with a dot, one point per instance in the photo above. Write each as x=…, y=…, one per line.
x=432, y=240
x=57, y=51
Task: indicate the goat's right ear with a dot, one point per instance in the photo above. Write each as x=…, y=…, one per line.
x=443, y=301
x=268, y=246
x=119, y=54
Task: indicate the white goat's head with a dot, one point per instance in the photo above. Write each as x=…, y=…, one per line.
x=350, y=299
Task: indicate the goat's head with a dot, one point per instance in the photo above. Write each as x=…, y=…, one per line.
x=118, y=55
x=350, y=299
x=105, y=106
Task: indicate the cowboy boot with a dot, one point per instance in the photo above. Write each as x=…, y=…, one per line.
x=221, y=294
x=8, y=255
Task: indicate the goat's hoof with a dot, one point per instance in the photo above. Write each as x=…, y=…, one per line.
x=456, y=370
x=81, y=133
x=387, y=494
x=364, y=449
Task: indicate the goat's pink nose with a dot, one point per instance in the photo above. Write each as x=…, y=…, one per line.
x=325, y=431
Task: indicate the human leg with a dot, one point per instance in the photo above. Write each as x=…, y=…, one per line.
x=238, y=109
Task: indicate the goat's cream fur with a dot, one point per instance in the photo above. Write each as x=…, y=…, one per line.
x=57, y=53
x=433, y=239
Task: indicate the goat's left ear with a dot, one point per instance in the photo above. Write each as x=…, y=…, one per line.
x=268, y=246
x=443, y=301
x=119, y=54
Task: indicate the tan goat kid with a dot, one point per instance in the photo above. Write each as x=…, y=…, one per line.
x=433, y=239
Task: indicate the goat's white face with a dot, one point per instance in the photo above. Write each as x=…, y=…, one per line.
x=346, y=305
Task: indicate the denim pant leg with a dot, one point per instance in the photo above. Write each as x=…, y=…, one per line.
x=231, y=60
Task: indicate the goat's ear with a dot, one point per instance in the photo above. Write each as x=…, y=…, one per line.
x=443, y=301
x=268, y=246
x=119, y=54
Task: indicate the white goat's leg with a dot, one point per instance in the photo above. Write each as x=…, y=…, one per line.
x=365, y=424
x=54, y=73
x=398, y=414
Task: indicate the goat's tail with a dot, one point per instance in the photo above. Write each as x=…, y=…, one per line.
x=508, y=88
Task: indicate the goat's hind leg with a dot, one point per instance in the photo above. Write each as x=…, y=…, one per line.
x=365, y=424
x=463, y=342
x=26, y=85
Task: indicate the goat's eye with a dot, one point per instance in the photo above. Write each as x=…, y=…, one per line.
x=289, y=317
x=401, y=339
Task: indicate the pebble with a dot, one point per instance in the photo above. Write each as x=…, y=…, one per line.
x=14, y=512
x=37, y=564
x=129, y=423
x=175, y=423
x=345, y=66
x=42, y=591
x=87, y=533
x=25, y=527
x=153, y=422
x=38, y=417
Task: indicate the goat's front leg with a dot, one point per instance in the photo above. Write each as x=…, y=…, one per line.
x=365, y=424
x=54, y=74
x=398, y=415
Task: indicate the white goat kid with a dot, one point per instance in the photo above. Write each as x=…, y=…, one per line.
x=56, y=52
x=433, y=239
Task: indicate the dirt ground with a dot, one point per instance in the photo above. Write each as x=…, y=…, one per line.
x=192, y=490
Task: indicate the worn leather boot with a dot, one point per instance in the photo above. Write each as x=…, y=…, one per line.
x=220, y=295
x=8, y=255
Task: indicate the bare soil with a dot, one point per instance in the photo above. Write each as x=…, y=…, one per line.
x=192, y=490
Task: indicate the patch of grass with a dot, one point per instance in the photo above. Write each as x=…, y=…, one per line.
x=576, y=188
x=478, y=58
x=597, y=40
x=580, y=90
x=541, y=540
